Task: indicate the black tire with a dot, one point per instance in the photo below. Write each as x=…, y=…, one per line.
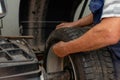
x=93, y=65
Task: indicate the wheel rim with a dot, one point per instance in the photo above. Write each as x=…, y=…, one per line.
x=56, y=64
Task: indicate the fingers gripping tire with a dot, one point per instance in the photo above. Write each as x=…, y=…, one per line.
x=93, y=65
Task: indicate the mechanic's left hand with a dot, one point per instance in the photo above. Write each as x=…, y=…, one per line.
x=60, y=49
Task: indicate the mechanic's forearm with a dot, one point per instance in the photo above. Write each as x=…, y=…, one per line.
x=101, y=35
x=87, y=20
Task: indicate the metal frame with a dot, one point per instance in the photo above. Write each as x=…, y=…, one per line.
x=3, y=8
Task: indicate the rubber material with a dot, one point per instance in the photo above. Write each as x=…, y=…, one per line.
x=93, y=65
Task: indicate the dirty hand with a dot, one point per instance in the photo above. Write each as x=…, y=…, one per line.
x=60, y=49
x=65, y=24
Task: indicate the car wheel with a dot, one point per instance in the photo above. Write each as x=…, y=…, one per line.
x=92, y=65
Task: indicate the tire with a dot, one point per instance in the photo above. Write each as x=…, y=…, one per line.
x=93, y=65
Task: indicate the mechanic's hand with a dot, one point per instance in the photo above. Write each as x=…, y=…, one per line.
x=60, y=50
x=65, y=24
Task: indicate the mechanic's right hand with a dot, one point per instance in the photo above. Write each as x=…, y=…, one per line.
x=60, y=49
x=65, y=24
